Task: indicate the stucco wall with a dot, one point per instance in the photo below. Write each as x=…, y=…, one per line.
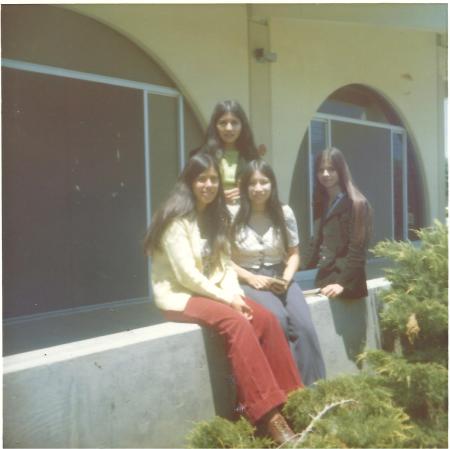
x=202, y=47
x=207, y=50
x=316, y=58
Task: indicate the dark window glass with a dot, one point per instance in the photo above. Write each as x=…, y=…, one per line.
x=368, y=153
x=416, y=200
x=73, y=193
x=318, y=137
x=163, y=131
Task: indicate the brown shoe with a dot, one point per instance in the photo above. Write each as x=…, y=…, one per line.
x=278, y=428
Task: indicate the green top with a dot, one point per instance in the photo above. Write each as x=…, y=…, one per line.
x=228, y=167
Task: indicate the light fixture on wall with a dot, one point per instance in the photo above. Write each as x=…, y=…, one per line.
x=263, y=55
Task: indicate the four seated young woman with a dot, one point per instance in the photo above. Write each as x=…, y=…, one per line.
x=266, y=256
x=194, y=281
x=191, y=240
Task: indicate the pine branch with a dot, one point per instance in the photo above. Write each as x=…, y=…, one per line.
x=300, y=437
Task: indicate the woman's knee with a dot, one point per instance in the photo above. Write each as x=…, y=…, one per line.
x=235, y=323
x=282, y=319
x=274, y=306
x=268, y=319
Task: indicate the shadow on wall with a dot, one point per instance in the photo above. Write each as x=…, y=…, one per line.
x=350, y=322
x=222, y=381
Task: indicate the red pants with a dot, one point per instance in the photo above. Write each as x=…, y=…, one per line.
x=260, y=357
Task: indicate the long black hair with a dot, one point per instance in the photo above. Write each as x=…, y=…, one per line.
x=245, y=144
x=273, y=205
x=362, y=212
x=214, y=221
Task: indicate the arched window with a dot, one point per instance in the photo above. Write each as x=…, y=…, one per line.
x=361, y=123
x=94, y=136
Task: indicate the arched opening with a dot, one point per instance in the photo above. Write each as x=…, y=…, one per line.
x=383, y=162
x=94, y=135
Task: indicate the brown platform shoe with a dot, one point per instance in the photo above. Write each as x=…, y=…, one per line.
x=277, y=428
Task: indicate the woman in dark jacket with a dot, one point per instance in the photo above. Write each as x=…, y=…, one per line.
x=342, y=224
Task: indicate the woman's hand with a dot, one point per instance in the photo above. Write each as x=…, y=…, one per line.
x=332, y=290
x=242, y=307
x=259, y=281
x=279, y=286
x=231, y=195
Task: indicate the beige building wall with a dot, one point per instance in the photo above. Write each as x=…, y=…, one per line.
x=316, y=58
x=207, y=50
x=260, y=112
x=202, y=47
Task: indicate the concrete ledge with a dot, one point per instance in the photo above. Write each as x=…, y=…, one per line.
x=346, y=327
x=146, y=387
x=142, y=388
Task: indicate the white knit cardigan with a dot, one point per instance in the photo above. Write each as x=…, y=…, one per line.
x=177, y=269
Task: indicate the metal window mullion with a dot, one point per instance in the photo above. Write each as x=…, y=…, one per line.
x=329, y=135
x=147, y=163
x=339, y=118
x=86, y=76
x=148, y=192
x=181, y=146
x=310, y=182
x=392, y=186
x=405, y=186
x=22, y=319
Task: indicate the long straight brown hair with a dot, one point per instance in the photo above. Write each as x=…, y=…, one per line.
x=274, y=206
x=214, y=222
x=362, y=211
x=245, y=143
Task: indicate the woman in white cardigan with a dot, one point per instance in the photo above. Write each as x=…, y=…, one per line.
x=193, y=281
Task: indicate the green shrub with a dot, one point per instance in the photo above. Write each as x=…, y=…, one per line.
x=416, y=315
x=371, y=420
x=419, y=291
x=221, y=433
x=424, y=434
x=419, y=388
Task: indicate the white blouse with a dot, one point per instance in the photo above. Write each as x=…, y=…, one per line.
x=259, y=244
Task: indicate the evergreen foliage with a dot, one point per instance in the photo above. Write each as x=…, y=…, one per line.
x=221, y=433
x=401, y=398
x=372, y=420
x=419, y=388
x=419, y=287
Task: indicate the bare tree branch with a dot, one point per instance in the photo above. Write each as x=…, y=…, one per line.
x=299, y=438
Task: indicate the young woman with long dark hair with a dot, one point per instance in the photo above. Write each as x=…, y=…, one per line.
x=266, y=256
x=193, y=281
x=342, y=227
x=229, y=139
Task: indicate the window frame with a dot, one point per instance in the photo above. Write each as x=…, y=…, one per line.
x=393, y=129
x=146, y=89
